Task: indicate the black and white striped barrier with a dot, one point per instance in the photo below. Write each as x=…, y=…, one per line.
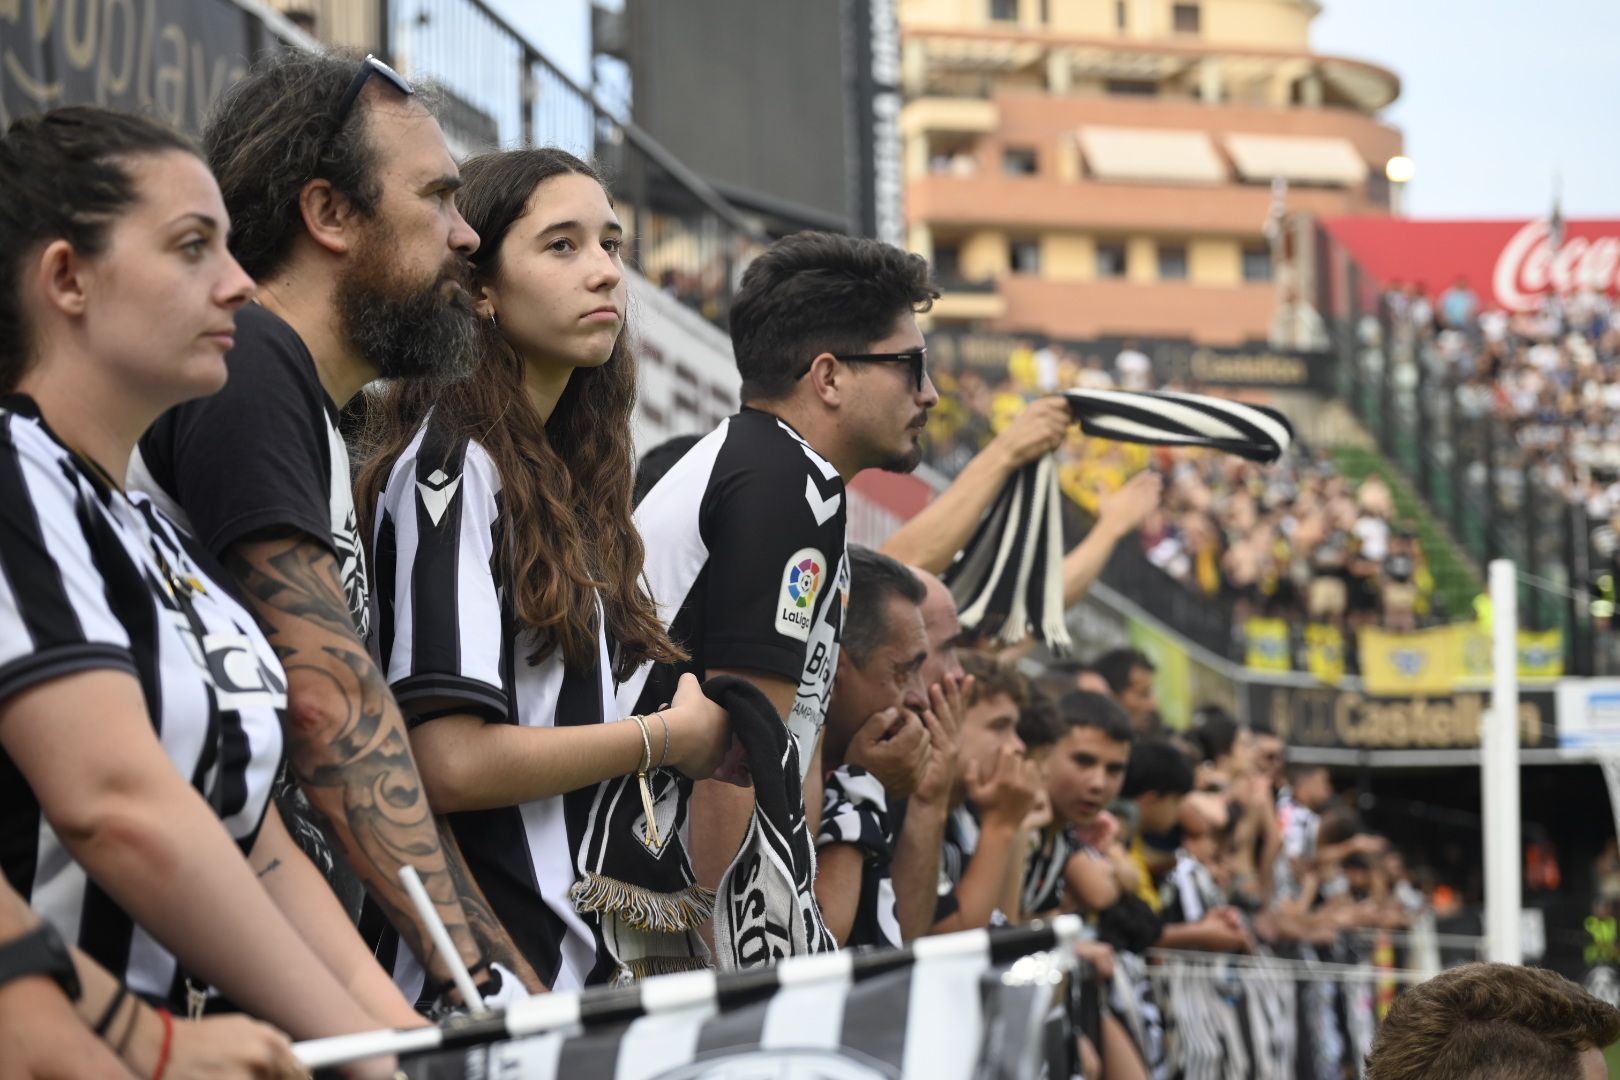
x=806, y=1007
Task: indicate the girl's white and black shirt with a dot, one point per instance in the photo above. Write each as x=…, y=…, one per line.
x=92, y=579
x=446, y=636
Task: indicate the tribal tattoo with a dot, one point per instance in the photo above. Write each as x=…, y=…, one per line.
x=348, y=747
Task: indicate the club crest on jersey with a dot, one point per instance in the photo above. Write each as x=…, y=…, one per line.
x=802, y=580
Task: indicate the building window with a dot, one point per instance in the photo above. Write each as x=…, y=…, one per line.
x=1256, y=264
x=1172, y=262
x=1018, y=161
x=1131, y=87
x=948, y=262
x=1004, y=10
x=1119, y=15
x=1110, y=260
x=1025, y=256
x=1185, y=18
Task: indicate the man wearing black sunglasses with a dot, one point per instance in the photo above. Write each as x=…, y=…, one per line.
x=745, y=534
x=341, y=192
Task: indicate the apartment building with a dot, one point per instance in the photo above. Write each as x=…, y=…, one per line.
x=1105, y=168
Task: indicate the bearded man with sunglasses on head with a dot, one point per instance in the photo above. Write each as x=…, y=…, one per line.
x=745, y=535
x=341, y=193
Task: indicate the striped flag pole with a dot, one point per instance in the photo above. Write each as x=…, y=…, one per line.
x=673, y=993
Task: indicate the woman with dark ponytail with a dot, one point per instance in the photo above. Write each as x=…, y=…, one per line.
x=509, y=588
x=140, y=706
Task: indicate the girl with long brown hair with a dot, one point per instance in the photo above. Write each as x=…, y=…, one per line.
x=508, y=587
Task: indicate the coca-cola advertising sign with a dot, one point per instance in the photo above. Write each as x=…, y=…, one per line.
x=1511, y=265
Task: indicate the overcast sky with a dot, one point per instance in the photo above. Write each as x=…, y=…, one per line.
x=1496, y=96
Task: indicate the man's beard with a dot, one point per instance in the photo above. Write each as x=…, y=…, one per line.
x=406, y=329
x=904, y=462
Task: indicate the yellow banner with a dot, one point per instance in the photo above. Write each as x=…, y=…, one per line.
x=1269, y=648
x=1324, y=651
x=1541, y=654
x=1433, y=662
x=1422, y=662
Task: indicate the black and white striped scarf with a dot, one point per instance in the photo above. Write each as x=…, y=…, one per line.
x=1009, y=577
x=765, y=908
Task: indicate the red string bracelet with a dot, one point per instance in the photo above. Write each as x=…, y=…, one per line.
x=168, y=1043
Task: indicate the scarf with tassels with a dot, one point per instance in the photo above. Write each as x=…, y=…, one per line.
x=1009, y=577
x=766, y=908
x=638, y=882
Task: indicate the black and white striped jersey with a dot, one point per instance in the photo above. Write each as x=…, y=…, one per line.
x=1189, y=891
x=745, y=560
x=1046, y=871
x=1299, y=825
x=93, y=580
x=855, y=810
x=446, y=636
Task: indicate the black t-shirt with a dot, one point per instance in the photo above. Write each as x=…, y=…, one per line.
x=745, y=560
x=262, y=453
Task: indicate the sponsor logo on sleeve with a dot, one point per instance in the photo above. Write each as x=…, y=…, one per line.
x=803, y=578
x=436, y=492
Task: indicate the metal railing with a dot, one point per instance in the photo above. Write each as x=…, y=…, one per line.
x=500, y=89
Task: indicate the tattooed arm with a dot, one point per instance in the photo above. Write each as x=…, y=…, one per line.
x=347, y=745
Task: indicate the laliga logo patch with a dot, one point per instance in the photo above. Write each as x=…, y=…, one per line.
x=802, y=579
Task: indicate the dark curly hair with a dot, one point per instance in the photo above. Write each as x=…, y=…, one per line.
x=66, y=176
x=813, y=292
x=276, y=130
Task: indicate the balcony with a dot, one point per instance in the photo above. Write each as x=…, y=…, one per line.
x=1209, y=314
x=969, y=301
x=1034, y=203
x=941, y=58
x=949, y=116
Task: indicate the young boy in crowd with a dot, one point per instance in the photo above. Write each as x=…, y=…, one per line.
x=1039, y=727
x=991, y=799
x=1159, y=778
x=1078, y=862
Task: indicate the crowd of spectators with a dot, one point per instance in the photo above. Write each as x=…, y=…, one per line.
x=1296, y=540
x=1214, y=843
x=1534, y=400
x=1550, y=375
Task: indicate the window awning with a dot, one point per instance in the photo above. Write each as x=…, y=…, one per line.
x=1151, y=155
x=1298, y=158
